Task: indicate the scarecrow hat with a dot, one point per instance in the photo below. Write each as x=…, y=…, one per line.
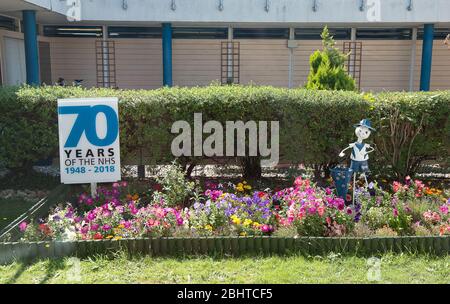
x=365, y=123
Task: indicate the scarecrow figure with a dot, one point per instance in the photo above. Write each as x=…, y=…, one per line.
x=359, y=156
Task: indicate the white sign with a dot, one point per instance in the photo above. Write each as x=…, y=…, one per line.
x=89, y=150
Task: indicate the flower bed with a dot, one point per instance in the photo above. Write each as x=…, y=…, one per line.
x=304, y=210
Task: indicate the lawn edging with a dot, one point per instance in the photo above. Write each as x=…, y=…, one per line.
x=234, y=246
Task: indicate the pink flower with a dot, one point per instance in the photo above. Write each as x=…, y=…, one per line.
x=126, y=224
x=89, y=201
x=395, y=212
x=23, y=226
x=115, y=185
x=91, y=216
x=265, y=228
x=349, y=210
x=396, y=186
x=124, y=184
x=444, y=209
x=106, y=227
x=120, y=209
x=298, y=181
x=94, y=227
x=321, y=210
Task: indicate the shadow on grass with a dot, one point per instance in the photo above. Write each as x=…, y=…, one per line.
x=22, y=268
x=52, y=268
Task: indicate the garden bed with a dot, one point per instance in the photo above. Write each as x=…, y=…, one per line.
x=234, y=246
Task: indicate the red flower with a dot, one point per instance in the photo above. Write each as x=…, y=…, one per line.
x=98, y=236
x=45, y=229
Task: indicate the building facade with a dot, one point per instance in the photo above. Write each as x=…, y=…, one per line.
x=395, y=45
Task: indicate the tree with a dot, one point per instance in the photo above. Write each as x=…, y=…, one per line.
x=327, y=67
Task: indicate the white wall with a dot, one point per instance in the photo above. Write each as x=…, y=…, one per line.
x=252, y=11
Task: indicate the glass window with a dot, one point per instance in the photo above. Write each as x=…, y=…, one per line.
x=261, y=33
x=7, y=23
x=439, y=33
x=384, y=33
x=73, y=31
x=199, y=33
x=314, y=33
x=134, y=32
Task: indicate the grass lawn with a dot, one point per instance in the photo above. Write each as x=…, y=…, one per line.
x=292, y=269
x=10, y=209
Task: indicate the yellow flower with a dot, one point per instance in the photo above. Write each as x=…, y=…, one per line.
x=247, y=187
x=118, y=238
x=256, y=225
x=244, y=182
x=121, y=226
x=235, y=220
x=247, y=222
x=243, y=233
x=109, y=237
x=208, y=227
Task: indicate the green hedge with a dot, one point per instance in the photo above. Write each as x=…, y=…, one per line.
x=314, y=125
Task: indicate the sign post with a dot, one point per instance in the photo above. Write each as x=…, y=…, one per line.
x=89, y=149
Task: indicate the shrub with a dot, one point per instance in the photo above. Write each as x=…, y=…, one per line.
x=327, y=67
x=314, y=125
x=176, y=188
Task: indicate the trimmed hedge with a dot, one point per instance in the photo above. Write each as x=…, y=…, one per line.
x=314, y=125
x=235, y=246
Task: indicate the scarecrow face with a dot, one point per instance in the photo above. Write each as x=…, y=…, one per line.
x=362, y=132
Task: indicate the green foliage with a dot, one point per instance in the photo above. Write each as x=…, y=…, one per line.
x=314, y=125
x=176, y=188
x=327, y=67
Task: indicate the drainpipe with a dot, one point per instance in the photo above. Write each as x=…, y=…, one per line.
x=413, y=59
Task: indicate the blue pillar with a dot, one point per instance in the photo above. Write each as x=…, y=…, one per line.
x=427, y=54
x=167, y=53
x=31, y=47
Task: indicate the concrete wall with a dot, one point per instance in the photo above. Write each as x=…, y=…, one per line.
x=252, y=11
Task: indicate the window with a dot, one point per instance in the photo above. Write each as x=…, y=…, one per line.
x=134, y=32
x=261, y=33
x=199, y=33
x=7, y=23
x=73, y=31
x=314, y=33
x=384, y=34
x=439, y=33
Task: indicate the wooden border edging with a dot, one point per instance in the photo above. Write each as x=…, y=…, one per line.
x=227, y=245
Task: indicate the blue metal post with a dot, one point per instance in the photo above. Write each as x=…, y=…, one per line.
x=31, y=47
x=427, y=54
x=167, y=53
